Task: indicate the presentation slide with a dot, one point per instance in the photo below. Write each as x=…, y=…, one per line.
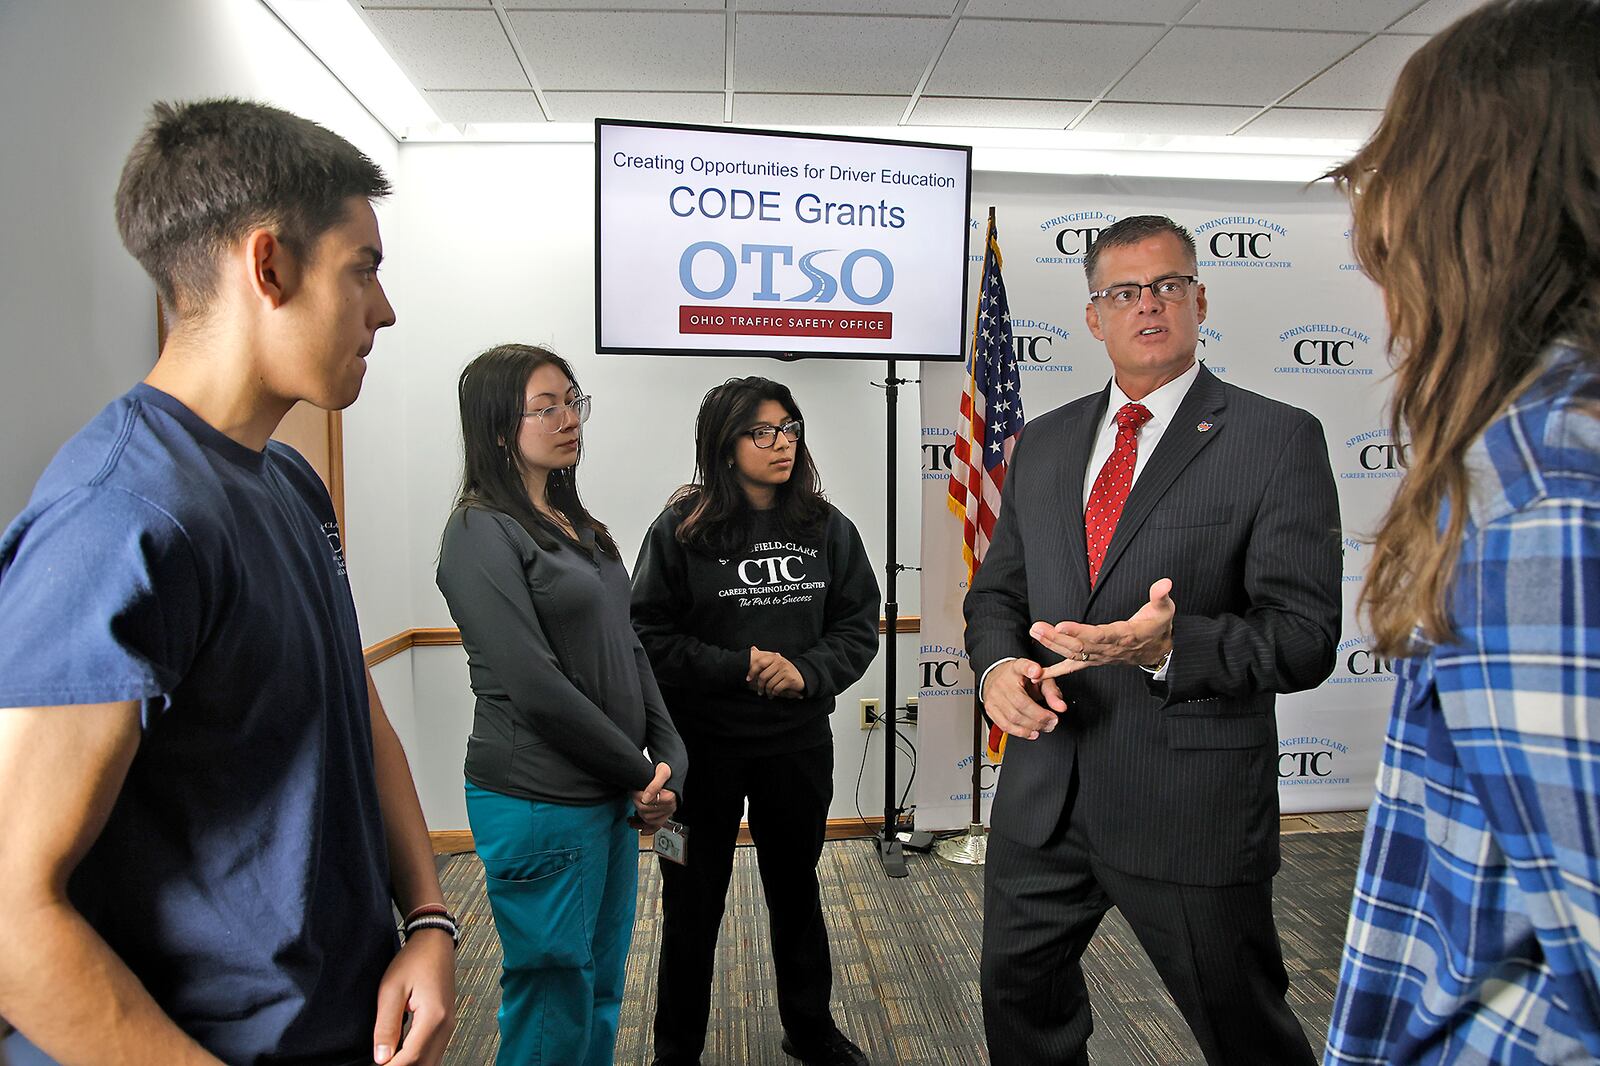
x=714, y=241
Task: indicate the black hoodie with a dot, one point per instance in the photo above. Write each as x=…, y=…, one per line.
x=811, y=598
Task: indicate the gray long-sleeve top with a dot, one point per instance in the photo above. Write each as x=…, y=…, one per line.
x=566, y=701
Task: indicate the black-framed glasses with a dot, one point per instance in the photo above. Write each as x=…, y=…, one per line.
x=1174, y=288
x=555, y=418
x=767, y=436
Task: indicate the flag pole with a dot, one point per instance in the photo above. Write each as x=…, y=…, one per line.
x=972, y=847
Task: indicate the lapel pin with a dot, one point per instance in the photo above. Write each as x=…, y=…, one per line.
x=1203, y=426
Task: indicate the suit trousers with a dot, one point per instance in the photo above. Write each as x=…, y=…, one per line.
x=1216, y=949
x=562, y=883
x=788, y=798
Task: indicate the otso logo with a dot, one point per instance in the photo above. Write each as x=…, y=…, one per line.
x=1374, y=454
x=1034, y=341
x=1241, y=240
x=944, y=671
x=1310, y=761
x=865, y=276
x=1324, y=348
x=1359, y=664
x=1073, y=234
x=774, y=570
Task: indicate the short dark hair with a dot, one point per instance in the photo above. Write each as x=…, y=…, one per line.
x=204, y=174
x=1132, y=230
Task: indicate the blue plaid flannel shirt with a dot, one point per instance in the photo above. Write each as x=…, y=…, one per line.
x=1474, y=934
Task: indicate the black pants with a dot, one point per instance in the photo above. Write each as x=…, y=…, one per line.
x=1216, y=949
x=789, y=796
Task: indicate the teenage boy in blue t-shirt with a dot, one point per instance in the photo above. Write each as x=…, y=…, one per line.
x=204, y=812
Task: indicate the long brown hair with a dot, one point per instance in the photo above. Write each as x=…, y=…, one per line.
x=492, y=391
x=1477, y=210
x=717, y=516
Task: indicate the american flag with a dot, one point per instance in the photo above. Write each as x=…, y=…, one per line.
x=991, y=419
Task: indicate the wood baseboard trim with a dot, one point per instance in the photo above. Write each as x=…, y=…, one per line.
x=441, y=636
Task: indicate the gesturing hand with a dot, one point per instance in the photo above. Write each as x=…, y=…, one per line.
x=1021, y=699
x=1142, y=640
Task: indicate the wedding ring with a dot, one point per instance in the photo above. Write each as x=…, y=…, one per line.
x=1083, y=656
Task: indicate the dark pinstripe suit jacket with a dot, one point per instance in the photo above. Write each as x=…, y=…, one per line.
x=1177, y=780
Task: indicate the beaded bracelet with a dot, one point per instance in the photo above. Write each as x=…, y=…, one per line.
x=432, y=921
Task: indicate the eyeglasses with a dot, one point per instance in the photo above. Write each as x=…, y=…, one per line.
x=553, y=419
x=1174, y=288
x=767, y=436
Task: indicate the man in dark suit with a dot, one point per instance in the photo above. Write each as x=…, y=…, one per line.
x=1166, y=560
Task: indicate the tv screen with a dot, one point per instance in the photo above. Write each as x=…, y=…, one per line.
x=715, y=241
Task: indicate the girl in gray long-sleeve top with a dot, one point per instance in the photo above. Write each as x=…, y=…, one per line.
x=566, y=706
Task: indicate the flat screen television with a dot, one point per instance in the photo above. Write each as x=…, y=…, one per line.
x=725, y=241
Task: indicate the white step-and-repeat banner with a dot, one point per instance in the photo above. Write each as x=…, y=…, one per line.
x=1291, y=317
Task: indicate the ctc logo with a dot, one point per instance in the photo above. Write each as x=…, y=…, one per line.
x=1384, y=456
x=1365, y=663
x=937, y=456
x=941, y=673
x=1027, y=346
x=1077, y=241
x=773, y=571
x=1305, y=764
x=1241, y=244
x=1317, y=351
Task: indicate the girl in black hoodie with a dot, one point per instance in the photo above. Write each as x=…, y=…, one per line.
x=756, y=604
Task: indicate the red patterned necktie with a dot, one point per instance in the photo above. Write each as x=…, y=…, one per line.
x=1111, y=487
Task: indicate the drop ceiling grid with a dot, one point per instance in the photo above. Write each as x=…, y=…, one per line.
x=1175, y=67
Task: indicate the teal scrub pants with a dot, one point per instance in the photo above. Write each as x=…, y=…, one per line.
x=562, y=883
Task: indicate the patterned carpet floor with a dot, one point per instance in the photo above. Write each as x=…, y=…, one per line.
x=905, y=956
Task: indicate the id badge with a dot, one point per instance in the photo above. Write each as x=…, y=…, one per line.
x=672, y=842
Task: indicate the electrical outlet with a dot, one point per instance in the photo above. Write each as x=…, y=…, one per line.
x=869, y=714
x=910, y=716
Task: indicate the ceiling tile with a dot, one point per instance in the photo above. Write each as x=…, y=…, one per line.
x=424, y=3
x=852, y=7
x=1434, y=16
x=801, y=53
x=1169, y=120
x=793, y=109
x=1362, y=79
x=450, y=49
x=1013, y=114
x=703, y=108
x=483, y=106
x=1039, y=60
x=1369, y=16
x=610, y=50
x=1162, y=11
x=1205, y=66
x=1314, y=122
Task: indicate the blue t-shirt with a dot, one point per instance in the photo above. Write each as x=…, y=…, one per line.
x=242, y=874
